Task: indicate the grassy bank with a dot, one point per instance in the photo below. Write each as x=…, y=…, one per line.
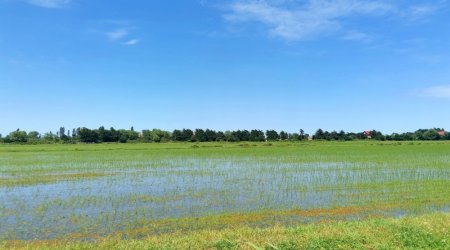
x=424, y=232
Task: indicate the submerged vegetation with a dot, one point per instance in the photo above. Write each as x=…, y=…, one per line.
x=222, y=195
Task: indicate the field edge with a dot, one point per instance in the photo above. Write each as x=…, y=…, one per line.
x=430, y=231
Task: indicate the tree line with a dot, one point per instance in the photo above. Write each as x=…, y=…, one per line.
x=433, y=134
x=111, y=135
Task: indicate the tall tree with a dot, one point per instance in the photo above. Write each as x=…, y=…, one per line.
x=243, y=135
x=431, y=135
x=177, y=135
x=257, y=135
x=221, y=136
x=34, y=136
x=62, y=132
x=232, y=136
x=342, y=136
x=295, y=137
x=319, y=135
x=18, y=136
x=200, y=135
x=210, y=135
x=302, y=134
x=284, y=136
x=272, y=135
x=50, y=137
x=88, y=136
x=187, y=134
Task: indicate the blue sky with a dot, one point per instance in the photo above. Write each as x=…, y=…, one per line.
x=236, y=64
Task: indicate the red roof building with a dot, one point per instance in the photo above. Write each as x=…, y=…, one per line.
x=441, y=133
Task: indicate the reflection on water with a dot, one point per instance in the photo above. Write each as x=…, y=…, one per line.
x=189, y=187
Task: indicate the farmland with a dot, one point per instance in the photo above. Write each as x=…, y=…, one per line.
x=225, y=195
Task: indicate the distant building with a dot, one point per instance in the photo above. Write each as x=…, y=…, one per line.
x=441, y=133
x=368, y=134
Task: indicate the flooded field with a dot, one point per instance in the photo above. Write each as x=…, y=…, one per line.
x=87, y=191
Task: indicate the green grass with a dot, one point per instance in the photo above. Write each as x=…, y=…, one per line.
x=424, y=232
x=74, y=193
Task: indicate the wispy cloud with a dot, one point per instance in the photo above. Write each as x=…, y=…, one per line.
x=305, y=20
x=50, y=3
x=420, y=12
x=117, y=34
x=299, y=20
x=132, y=42
x=442, y=91
x=122, y=36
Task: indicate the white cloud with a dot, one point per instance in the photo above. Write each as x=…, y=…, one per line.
x=299, y=20
x=292, y=21
x=132, y=42
x=442, y=91
x=50, y=3
x=122, y=36
x=418, y=12
x=117, y=34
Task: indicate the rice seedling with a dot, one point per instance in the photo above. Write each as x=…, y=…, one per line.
x=136, y=191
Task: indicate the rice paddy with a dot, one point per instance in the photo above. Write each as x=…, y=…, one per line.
x=85, y=193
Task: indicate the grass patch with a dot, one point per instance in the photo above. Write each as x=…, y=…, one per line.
x=47, y=178
x=405, y=233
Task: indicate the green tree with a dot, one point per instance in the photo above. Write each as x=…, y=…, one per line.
x=127, y=135
x=302, y=134
x=187, y=134
x=62, y=132
x=231, y=136
x=257, y=135
x=295, y=137
x=107, y=135
x=272, y=135
x=210, y=135
x=284, y=136
x=319, y=135
x=334, y=135
x=50, y=138
x=377, y=135
x=133, y=135
x=34, y=137
x=18, y=136
x=342, y=136
x=147, y=135
x=155, y=135
x=123, y=138
x=177, y=135
x=200, y=135
x=88, y=136
x=243, y=135
x=397, y=137
x=431, y=135
x=221, y=136
x=182, y=135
